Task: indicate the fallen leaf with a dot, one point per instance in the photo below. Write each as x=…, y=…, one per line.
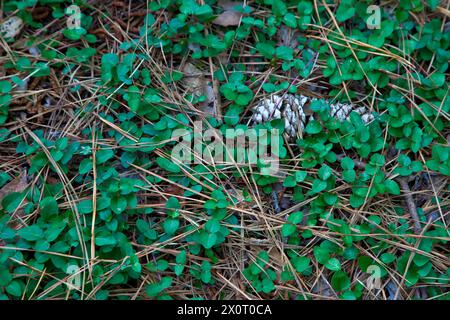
x=323, y=288
x=18, y=184
x=287, y=37
x=230, y=17
x=195, y=82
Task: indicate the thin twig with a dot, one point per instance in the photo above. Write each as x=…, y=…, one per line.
x=411, y=204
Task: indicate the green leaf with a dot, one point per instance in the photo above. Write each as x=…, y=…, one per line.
x=377, y=160
x=107, y=240
x=269, y=87
x=279, y=8
x=134, y=98
x=154, y=289
x=206, y=272
x=349, y=175
x=161, y=265
x=284, y=53
x=41, y=245
x=181, y=261
x=325, y=172
x=322, y=255
x=438, y=79
x=433, y=4
x=313, y=127
x=289, y=182
x=85, y=166
x=340, y=281
x=290, y=20
x=208, y=240
x=118, y=204
x=212, y=226
x=330, y=198
x=295, y=217
x=5, y=277
x=85, y=206
x=222, y=204
x=103, y=155
x=49, y=206
x=344, y=12
x=14, y=288
x=318, y=185
x=348, y=295
x=347, y=164
x=300, y=176
x=305, y=7
x=288, y=229
x=144, y=227
x=74, y=34
x=210, y=204
x=168, y=165
x=31, y=233
x=268, y=285
x=266, y=49
x=12, y=201
x=151, y=96
x=387, y=257
x=5, y=86
x=171, y=225
x=109, y=61
x=173, y=203
x=333, y=264
x=301, y=264
x=411, y=278
x=392, y=187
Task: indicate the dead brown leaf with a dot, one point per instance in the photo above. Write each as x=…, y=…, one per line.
x=18, y=184
x=230, y=17
x=287, y=37
x=195, y=82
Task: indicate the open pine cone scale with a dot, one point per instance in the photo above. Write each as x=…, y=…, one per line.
x=295, y=111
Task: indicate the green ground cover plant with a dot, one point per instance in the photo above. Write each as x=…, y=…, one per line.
x=93, y=206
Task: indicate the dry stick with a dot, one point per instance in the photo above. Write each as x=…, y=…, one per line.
x=408, y=197
x=215, y=85
x=217, y=99
x=411, y=205
x=94, y=197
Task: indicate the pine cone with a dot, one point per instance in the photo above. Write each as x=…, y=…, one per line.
x=292, y=109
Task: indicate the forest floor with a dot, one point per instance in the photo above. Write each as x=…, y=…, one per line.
x=95, y=97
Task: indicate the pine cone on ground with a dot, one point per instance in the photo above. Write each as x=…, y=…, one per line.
x=294, y=109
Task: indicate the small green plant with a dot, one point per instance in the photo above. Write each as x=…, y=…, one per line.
x=89, y=120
